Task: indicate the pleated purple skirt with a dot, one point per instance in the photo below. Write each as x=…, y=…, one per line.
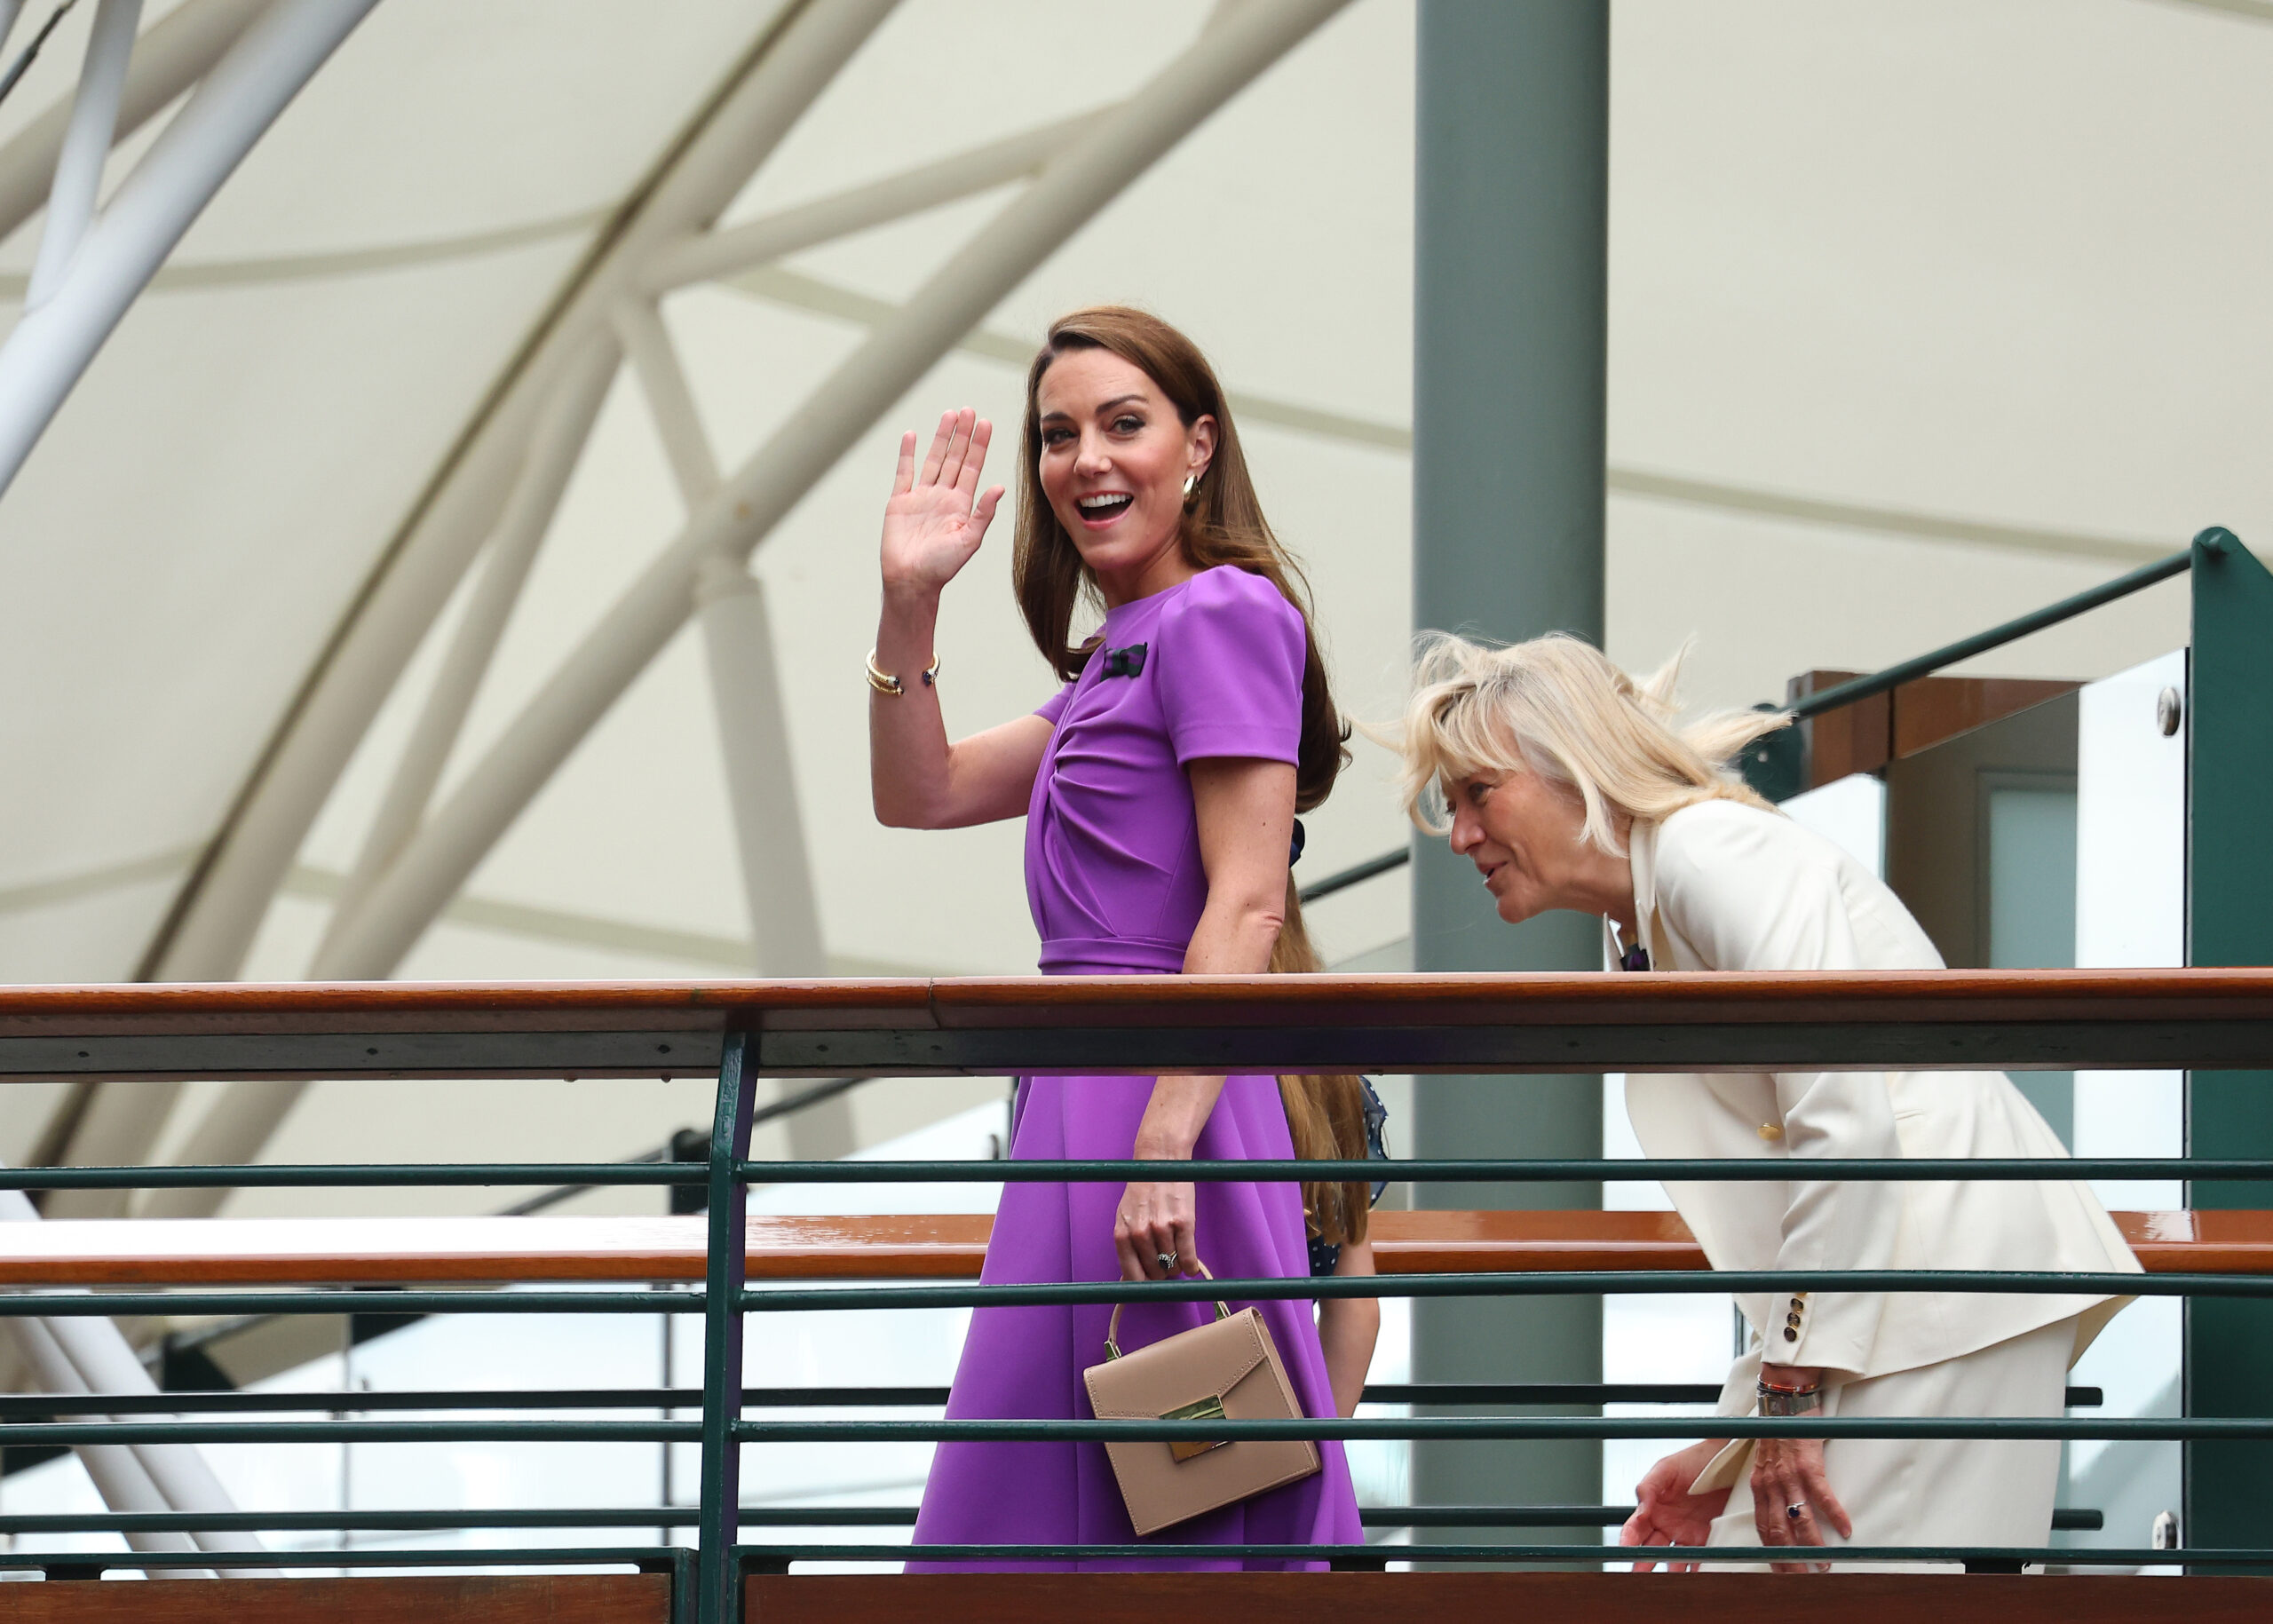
x=1027, y=1363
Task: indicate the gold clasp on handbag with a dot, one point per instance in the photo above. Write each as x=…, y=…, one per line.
x=1210, y=1408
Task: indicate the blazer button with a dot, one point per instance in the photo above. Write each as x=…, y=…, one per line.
x=1795, y=1302
x=1771, y=1130
x=1790, y=1334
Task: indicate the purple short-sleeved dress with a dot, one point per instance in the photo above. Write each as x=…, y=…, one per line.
x=1114, y=879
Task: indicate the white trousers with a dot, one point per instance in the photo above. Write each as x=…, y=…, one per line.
x=1939, y=1490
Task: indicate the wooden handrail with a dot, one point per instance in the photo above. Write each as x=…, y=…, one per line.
x=501, y=1251
x=1489, y=1598
x=1915, y=1019
x=370, y=1598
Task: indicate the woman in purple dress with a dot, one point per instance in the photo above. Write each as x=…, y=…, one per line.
x=1160, y=786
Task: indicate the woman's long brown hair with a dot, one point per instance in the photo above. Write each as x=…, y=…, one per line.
x=1223, y=524
x=1325, y=1114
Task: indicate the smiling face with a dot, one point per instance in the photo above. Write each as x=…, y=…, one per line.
x=1523, y=833
x=1113, y=460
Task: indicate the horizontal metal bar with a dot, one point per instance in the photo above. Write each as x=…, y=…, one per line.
x=1755, y=1169
x=1996, y=636
x=326, y=1300
x=23, y=1407
x=2153, y=1429
x=71, y=1433
x=351, y=1175
x=643, y=1557
x=322, y=1176
x=1343, y=879
x=2064, y=1519
x=759, y=1555
x=409, y=1522
x=1592, y=1392
x=30, y=1435
x=790, y=1105
x=331, y=1300
x=16, y=1406
x=1587, y=1282
x=766, y=1516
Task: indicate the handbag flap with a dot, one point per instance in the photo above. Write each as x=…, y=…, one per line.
x=1205, y=1362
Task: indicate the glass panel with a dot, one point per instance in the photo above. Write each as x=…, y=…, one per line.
x=2032, y=907
x=2130, y=912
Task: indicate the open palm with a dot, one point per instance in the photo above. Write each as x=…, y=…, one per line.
x=937, y=516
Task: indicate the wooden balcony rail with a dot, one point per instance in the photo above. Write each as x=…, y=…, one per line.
x=1919, y=1020
x=487, y=1251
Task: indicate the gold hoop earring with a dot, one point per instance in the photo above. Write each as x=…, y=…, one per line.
x=1191, y=484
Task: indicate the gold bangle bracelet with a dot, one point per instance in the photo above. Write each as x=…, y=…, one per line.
x=885, y=682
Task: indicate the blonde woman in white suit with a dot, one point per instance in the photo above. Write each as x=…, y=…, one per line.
x=1571, y=785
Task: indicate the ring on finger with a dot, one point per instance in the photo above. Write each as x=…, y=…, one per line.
x=1167, y=1260
x=1797, y=1510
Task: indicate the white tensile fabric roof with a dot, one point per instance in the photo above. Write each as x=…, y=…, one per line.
x=1873, y=267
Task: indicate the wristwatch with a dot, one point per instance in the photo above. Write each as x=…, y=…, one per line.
x=1787, y=1401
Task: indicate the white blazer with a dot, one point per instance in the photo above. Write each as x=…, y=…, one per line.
x=1720, y=885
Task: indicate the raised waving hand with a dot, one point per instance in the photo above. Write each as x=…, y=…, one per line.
x=938, y=516
x=933, y=526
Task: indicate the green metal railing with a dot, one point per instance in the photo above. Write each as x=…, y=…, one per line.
x=709, y=1572
x=706, y=1578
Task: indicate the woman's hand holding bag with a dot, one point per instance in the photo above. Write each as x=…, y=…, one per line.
x=1156, y=1231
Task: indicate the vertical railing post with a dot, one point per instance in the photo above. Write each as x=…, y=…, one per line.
x=717, y=1584
x=2228, y=724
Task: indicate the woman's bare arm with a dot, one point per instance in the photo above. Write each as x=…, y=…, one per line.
x=1245, y=810
x=917, y=779
x=935, y=521
x=1348, y=1328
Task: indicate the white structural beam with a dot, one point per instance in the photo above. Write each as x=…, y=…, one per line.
x=769, y=830
x=121, y=1123
x=199, y=148
x=670, y=402
x=178, y=51
x=720, y=253
x=1244, y=38
x=220, y=914
x=74, y=1355
x=86, y=145
x=554, y=449
x=117, y=1475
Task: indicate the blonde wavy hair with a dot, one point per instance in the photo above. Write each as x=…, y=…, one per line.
x=1557, y=707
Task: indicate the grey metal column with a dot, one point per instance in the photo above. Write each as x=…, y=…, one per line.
x=1510, y=244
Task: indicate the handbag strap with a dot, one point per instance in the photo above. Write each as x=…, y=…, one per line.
x=1112, y=1326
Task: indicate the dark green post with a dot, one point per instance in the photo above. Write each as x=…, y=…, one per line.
x=718, y=1585
x=2228, y=921
x=1510, y=252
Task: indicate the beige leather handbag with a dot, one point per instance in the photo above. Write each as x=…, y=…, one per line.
x=1228, y=1370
